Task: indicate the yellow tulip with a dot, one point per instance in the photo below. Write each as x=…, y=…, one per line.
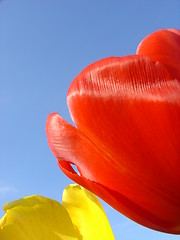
x=79, y=217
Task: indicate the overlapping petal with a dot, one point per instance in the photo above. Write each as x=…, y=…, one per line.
x=38, y=218
x=127, y=142
x=86, y=213
x=163, y=46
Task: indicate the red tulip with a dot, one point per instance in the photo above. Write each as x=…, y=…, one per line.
x=126, y=143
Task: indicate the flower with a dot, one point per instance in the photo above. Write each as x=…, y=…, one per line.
x=126, y=143
x=81, y=216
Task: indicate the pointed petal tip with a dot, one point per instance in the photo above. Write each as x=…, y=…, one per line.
x=54, y=123
x=52, y=117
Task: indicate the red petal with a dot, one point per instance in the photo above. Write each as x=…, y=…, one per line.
x=129, y=107
x=163, y=46
x=71, y=146
x=121, y=203
x=174, y=30
x=127, y=111
x=68, y=144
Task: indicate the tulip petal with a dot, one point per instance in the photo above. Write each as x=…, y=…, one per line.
x=86, y=213
x=174, y=30
x=36, y=218
x=121, y=203
x=163, y=46
x=129, y=108
x=68, y=144
x=126, y=145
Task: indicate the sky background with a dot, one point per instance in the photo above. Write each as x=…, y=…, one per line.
x=44, y=44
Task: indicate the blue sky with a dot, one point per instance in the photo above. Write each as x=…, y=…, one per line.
x=44, y=44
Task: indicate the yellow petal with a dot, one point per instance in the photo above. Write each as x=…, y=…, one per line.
x=36, y=218
x=86, y=213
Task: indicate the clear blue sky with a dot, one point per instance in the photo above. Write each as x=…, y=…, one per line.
x=44, y=44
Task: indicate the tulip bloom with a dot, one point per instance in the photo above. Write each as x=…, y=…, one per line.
x=80, y=216
x=126, y=143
